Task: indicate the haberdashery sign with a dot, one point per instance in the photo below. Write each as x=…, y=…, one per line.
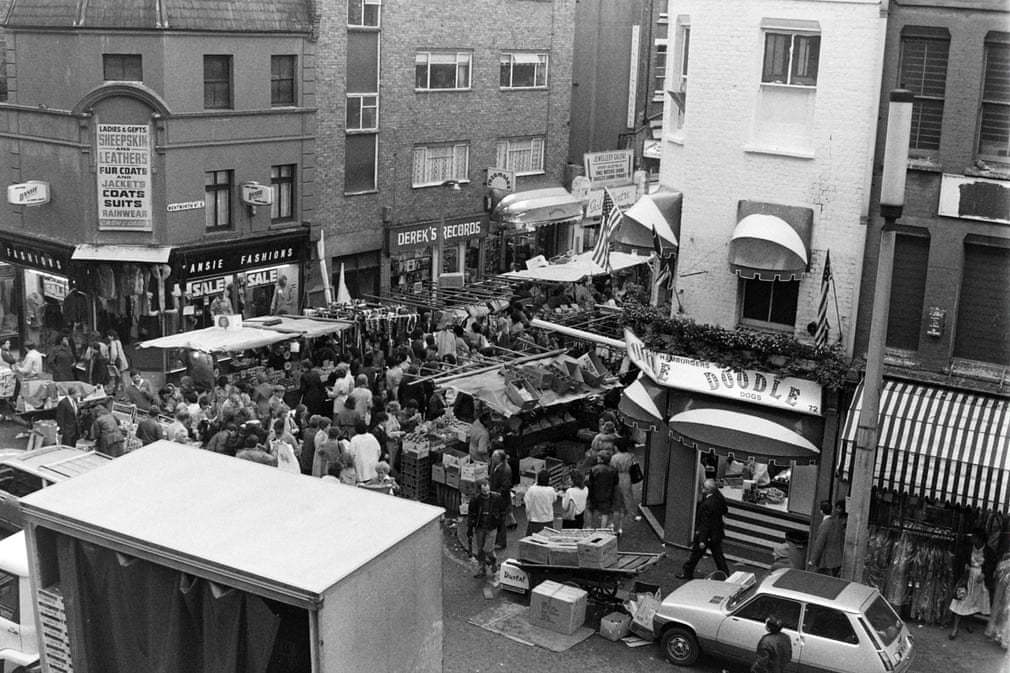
x=424, y=234
x=748, y=385
x=123, y=153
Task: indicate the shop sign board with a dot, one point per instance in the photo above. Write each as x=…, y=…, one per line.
x=31, y=193
x=747, y=385
x=55, y=287
x=501, y=179
x=185, y=205
x=425, y=234
x=624, y=196
x=35, y=255
x=235, y=257
x=255, y=194
x=123, y=158
x=609, y=168
x=974, y=198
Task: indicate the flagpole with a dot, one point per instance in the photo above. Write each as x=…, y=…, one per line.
x=838, y=316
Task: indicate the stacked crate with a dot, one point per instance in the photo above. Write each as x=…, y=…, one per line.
x=415, y=470
x=558, y=472
x=53, y=623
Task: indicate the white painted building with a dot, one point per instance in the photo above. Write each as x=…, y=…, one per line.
x=769, y=135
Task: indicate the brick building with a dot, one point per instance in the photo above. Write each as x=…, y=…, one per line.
x=415, y=102
x=138, y=141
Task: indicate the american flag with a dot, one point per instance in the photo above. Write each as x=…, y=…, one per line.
x=823, y=327
x=610, y=217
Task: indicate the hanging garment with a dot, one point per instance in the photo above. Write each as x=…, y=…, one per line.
x=106, y=282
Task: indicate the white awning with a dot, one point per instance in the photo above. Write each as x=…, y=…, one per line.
x=144, y=254
x=579, y=267
x=767, y=247
x=220, y=339
x=647, y=213
x=722, y=427
x=310, y=328
x=536, y=207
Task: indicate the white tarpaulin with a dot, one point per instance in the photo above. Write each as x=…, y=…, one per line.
x=579, y=267
x=220, y=339
x=310, y=328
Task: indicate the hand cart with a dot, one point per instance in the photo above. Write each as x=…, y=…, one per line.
x=602, y=584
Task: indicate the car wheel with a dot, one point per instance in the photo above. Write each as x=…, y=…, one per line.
x=680, y=646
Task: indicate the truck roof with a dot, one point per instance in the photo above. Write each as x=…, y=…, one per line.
x=200, y=509
x=56, y=463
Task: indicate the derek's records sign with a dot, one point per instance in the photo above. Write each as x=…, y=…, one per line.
x=124, y=176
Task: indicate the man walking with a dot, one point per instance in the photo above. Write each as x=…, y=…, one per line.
x=486, y=512
x=774, y=651
x=708, y=530
x=501, y=483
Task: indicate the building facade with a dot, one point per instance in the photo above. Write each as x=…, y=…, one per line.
x=158, y=159
x=415, y=104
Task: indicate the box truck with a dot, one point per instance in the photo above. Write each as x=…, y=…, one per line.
x=177, y=559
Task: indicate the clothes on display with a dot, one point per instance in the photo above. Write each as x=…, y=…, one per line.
x=998, y=627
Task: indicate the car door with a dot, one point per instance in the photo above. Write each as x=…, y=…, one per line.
x=831, y=643
x=740, y=632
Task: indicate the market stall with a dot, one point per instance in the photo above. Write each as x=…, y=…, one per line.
x=576, y=268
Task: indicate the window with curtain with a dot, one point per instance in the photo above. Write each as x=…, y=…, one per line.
x=442, y=70
x=434, y=164
x=994, y=121
x=217, y=82
x=282, y=179
x=923, y=71
x=523, y=70
x=523, y=155
x=282, y=79
x=791, y=58
x=217, y=201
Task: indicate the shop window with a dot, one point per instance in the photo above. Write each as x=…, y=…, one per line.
x=359, y=163
x=408, y=272
x=282, y=79
x=442, y=70
x=217, y=75
x=994, y=124
x=908, y=291
x=983, y=311
x=659, y=70
x=9, y=305
x=769, y=304
x=122, y=68
x=363, y=13
x=525, y=155
x=761, y=607
x=923, y=71
x=828, y=623
x=217, y=204
x=282, y=179
x=791, y=58
x=362, y=112
x=522, y=70
x=434, y=164
x=361, y=273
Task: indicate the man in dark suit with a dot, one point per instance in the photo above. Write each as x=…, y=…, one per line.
x=708, y=530
x=501, y=483
x=66, y=416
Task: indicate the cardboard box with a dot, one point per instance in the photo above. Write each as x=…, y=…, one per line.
x=558, y=607
x=473, y=471
x=615, y=625
x=563, y=554
x=453, y=457
x=534, y=550
x=451, y=476
x=598, y=551
x=531, y=465
x=438, y=474
x=522, y=394
x=417, y=445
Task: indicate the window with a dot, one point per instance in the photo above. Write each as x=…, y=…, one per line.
x=521, y=70
x=525, y=156
x=770, y=303
x=363, y=13
x=434, y=164
x=791, y=58
x=664, y=9
x=828, y=623
x=10, y=599
x=884, y=621
x=923, y=71
x=763, y=606
x=3, y=70
x=217, y=206
x=678, y=87
x=282, y=80
x=659, y=70
x=217, y=82
x=908, y=291
x=359, y=163
x=122, y=68
x=361, y=272
x=282, y=179
x=362, y=112
x=994, y=125
x=983, y=311
x=442, y=70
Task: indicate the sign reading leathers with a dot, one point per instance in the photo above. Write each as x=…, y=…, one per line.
x=748, y=385
x=425, y=234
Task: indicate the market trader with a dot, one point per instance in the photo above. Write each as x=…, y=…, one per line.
x=709, y=530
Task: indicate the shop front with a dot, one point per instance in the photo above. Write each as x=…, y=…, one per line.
x=34, y=276
x=530, y=223
x=242, y=277
x=450, y=252
x=756, y=433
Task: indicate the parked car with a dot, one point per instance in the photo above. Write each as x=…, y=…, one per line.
x=835, y=625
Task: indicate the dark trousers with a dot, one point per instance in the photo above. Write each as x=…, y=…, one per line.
x=697, y=551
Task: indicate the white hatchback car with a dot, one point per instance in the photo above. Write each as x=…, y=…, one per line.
x=836, y=626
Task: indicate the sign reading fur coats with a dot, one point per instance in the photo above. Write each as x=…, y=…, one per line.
x=701, y=376
x=123, y=158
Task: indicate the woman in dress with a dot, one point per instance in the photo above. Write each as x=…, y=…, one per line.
x=971, y=597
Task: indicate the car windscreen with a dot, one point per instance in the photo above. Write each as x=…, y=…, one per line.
x=742, y=594
x=884, y=621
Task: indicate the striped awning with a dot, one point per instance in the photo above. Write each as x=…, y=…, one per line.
x=643, y=404
x=947, y=445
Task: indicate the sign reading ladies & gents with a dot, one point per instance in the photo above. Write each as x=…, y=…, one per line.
x=124, y=176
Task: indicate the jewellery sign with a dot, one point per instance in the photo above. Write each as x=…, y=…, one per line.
x=124, y=176
x=748, y=385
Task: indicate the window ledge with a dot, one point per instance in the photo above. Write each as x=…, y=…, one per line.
x=361, y=193
x=766, y=327
x=924, y=164
x=437, y=184
x=987, y=170
x=675, y=138
x=899, y=357
x=794, y=152
x=522, y=88
x=976, y=369
x=443, y=90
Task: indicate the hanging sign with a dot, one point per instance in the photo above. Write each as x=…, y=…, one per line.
x=609, y=168
x=255, y=194
x=31, y=193
x=123, y=157
x=501, y=179
x=748, y=385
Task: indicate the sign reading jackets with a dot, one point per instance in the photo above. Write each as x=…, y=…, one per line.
x=747, y=385
x=425, y=234
x=124, y=176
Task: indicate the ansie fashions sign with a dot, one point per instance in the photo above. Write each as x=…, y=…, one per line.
x=124, y=176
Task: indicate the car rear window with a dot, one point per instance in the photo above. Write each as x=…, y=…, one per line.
x=884, y=621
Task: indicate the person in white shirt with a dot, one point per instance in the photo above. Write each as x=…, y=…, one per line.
x=573, y=502
x=365, y=452
x=343, y=384
x=31, y=363
x=539, y=502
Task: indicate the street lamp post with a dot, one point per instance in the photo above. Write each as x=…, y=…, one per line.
x=892, y=199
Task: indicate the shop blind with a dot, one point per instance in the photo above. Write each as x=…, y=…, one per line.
x=983, y=315
x=908, y=289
